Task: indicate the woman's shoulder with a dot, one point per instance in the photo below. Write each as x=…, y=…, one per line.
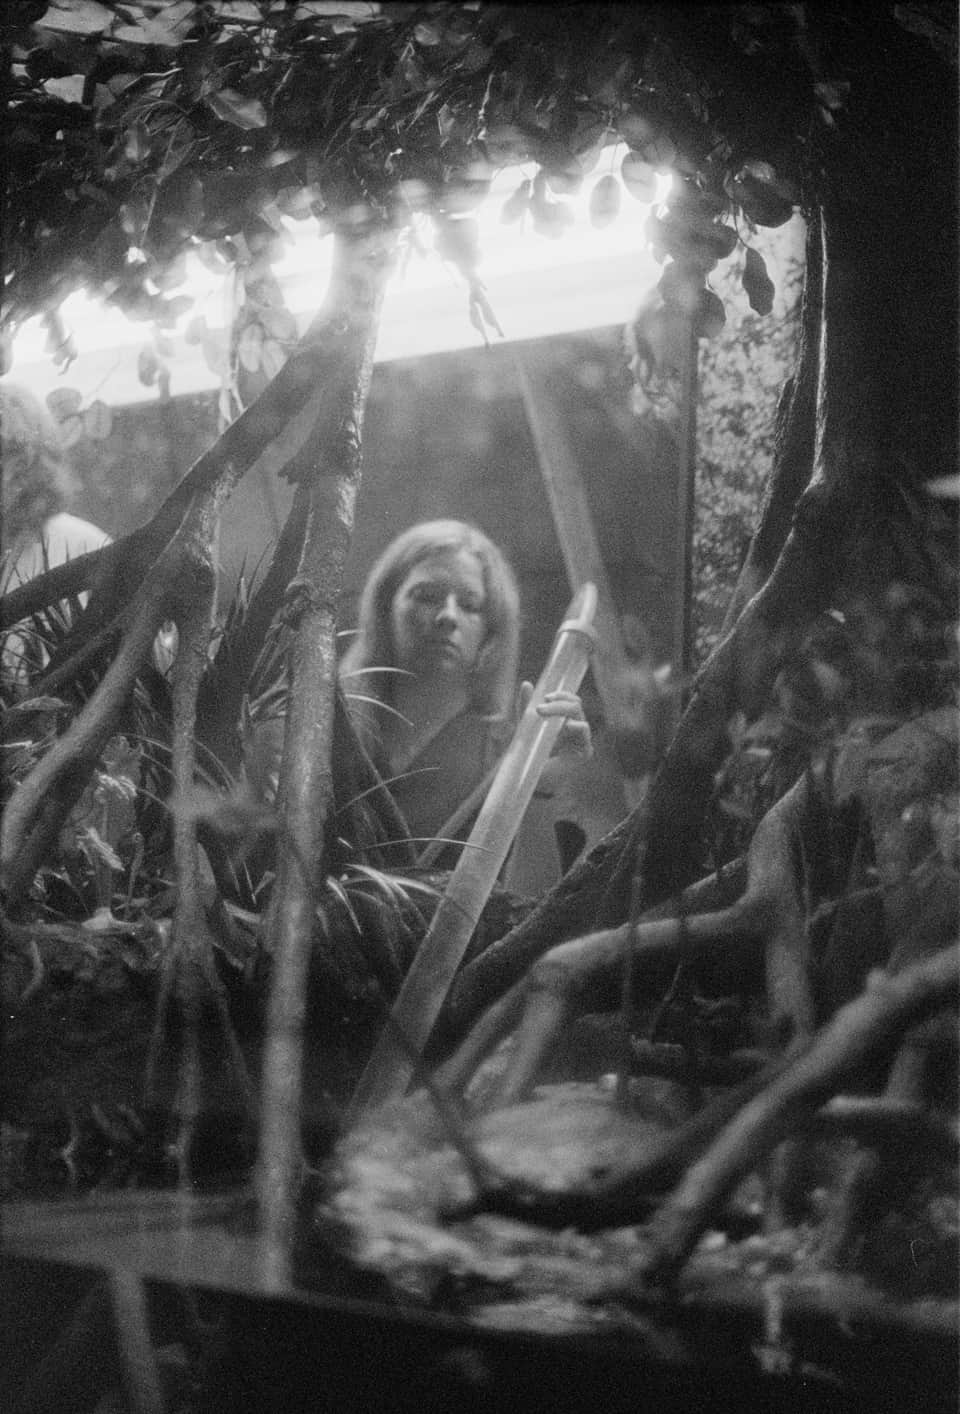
x=66, y=536
x=62, y=537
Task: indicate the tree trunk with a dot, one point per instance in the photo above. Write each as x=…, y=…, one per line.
x=883, y=366
x=306, y=789
x=793, y=439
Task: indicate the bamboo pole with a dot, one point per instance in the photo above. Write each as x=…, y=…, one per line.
x=573, y=521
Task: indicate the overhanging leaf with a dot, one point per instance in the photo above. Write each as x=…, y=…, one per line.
x=757, y=284
x=279, y=323
x=355, y=13
x=272, y=357
x=168, y=26
x=60, y=341
x=148, y=366
x=71, y=430
x=63, y=402
x=70, y=88
x=136, y=143
x=33, y=705
x=639, y=176
x=77, y=17
x=605, y=201
x=96, y=848
x=235, y=108
x=250, y=346
x=239, y=10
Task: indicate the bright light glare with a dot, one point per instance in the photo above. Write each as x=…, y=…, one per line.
x=537, y=286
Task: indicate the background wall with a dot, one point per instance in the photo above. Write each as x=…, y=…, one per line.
x=445, y=435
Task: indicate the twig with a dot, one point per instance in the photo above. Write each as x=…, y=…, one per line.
x=882, y=1121
x=864, y=1030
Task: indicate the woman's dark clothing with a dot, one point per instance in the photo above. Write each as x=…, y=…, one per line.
x=442, y=776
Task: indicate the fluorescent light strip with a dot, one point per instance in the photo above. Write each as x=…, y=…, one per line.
x=537, y=286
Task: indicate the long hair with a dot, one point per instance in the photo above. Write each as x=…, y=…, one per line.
x=37, y=480
x=493, y=682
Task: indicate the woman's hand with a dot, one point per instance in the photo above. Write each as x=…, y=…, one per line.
x=575, y=740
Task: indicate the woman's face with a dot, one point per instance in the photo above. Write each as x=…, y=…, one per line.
x=438, y=616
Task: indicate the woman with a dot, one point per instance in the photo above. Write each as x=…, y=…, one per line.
x=431, y=673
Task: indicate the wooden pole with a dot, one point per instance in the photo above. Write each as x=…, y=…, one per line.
x=573, y=520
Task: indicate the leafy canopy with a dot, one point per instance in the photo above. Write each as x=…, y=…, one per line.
x=140, y=130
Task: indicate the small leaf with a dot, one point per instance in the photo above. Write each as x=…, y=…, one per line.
x=296, y=202
x=71, y=430
x=148, y=366
x=119, y=83
x=765, y=198
x=832, y=96
x=196, y=330
x=344, y=13
x=280, y=157
x=77, y=17
x=63, y=403
x=234, y=108
x=136, y=143
x=133, y=216
x=170, y=310
x=250, y=346
x=636, y=129
x=98, y=421
x=605, y=201
x=660, y=151
x=711, y=315
x=757, y=284
x=103, y=921
x=70, y=89
x=168, y=277
x=167, y=27
x=516, y=205
x=34, y=704
x=272, y=357
x=426, y=35
x=239, y=10
x=565, y=180
x=95, y=847
x=60, y=341
x=214, y=348
x=279, y=323
x=550, y=218
x=210, y=255
x=639, y=177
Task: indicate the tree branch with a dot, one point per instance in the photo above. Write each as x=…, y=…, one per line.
x=865, y=1030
